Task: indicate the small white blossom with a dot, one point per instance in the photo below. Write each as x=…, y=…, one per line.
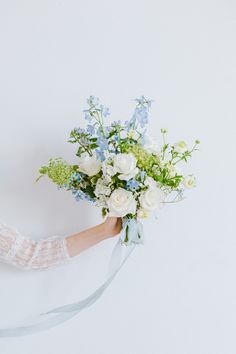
x=142, y=214
x=101, y=188
x=181, y=147
x=189, y=182
x=108, y=169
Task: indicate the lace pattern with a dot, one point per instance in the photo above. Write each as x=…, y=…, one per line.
x=25, y=253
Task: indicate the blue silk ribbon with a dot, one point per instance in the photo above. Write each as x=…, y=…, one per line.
x=131, y=234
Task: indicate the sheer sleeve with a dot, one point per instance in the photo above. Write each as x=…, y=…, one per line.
x=25, y=253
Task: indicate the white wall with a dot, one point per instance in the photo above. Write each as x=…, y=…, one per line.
x=177, y=293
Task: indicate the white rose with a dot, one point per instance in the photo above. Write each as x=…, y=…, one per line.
x=150, y=182
x=181, y=146
x=125, y=164
x=151, y=199
x=90, y=165
x=121, y=203
x=101, y=188
x=189, y=182
x=150, y=144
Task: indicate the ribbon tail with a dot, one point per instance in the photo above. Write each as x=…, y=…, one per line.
x=61, y=314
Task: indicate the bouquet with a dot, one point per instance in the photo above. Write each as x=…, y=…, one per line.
x=122, y=169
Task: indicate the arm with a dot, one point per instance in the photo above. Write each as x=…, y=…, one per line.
x=25, y=253
x=80, y=242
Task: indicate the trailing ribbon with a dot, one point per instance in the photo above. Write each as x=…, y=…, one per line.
x=131, y=234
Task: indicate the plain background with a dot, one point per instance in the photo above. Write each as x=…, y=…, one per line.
x=177, y=293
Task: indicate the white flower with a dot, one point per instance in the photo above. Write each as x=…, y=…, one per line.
x=101, y=188
x=121, y=203
x=108, y=169
x=123, y=134
x=150, y=182
x=181, y=146
x=142, y=214
x=90, y=165
x=125, y=164
x=189, y=182
x=151, y=199
x=101, y=201
x=150, y=144
x=107, y=179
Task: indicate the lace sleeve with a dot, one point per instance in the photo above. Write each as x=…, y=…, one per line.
x=25, y=253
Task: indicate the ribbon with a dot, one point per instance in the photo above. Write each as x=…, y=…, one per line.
x=131, y=234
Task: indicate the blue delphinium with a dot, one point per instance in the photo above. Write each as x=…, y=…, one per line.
x=93, y=101
x=107, y=130
x=140, y=113
x=88, y=116
x=104, y=110
x=91, y=129
x=80, y=131
x=116, y=123
x=142, y=101
x=80, y=195
x=100, y=154
x=102, y=143
x=132, y=184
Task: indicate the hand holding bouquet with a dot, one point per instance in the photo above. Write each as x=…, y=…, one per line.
x=121, y=169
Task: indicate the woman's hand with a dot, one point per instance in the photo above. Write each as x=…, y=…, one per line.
x=113, y=226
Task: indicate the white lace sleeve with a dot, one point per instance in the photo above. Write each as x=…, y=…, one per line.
x=25, y=253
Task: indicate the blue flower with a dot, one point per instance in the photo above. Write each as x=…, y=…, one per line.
x=93, y=101
x=143, y=101
x=116, y=137
x=141, y=115
x=91, y=129
x=132, y=184
x=100, y=154
x=76, y=177
x=102, y=143
x=116, y=123
x=104, y=110
x=80, y=195
x=88, y=116
x=80, y=131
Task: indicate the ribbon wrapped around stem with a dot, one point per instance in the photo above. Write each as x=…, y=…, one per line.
x=132, y=232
